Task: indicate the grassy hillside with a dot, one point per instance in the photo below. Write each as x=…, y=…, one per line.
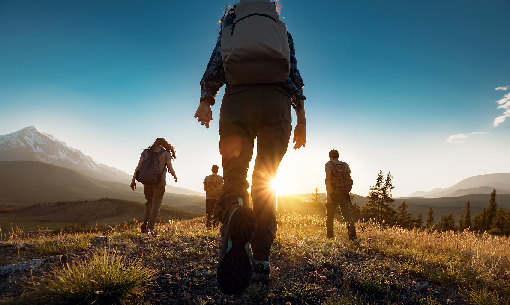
x=30, y=182
x=105, y=211
x=178, y=266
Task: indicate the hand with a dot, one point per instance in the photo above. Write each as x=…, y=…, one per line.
x=133, y=185
x=204, y=113
x=299, y=135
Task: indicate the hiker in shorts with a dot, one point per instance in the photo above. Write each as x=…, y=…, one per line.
x=151, y=172
x=212, y=184
x=257, y=103
x=338, y=186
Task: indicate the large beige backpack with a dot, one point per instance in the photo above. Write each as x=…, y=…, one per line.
x=254, y=44
x=340, y=176
x=213, y=186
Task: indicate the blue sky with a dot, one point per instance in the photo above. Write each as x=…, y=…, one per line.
x=388, y=83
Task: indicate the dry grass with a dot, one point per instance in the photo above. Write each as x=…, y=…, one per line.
x=388, y=265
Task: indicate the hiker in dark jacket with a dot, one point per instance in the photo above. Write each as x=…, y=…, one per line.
x=154, y=192
x=260, y=110
x=338, y=186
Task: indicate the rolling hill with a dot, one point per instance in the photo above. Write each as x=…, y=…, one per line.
x=30, y=182
x=105, y=211
x=481, y=184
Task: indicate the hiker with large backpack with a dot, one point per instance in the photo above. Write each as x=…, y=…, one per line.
x=212, y=185
x=255, y=58
x=151, y=172
x=338, y=187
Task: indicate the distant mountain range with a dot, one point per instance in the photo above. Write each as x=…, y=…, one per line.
x=482, y=184
x=30, y=144
x=31, y=182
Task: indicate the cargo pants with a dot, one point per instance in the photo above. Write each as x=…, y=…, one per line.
x=154, y=198
x=250, y=112
x=209, y=210
x=344, y=201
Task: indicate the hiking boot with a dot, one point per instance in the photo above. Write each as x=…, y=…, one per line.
x=230, y=194
x=261, y=272
x=234, y=267
x=143, y=227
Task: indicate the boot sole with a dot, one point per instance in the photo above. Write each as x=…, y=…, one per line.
x=234, y=269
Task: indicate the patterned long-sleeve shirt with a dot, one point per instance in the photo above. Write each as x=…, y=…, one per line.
x=214, y=77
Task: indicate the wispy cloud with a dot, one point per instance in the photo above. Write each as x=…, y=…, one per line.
x=459, y=138
x=502, y=88
x=503, y=103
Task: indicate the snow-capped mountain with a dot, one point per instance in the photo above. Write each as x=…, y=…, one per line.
x=30, y=144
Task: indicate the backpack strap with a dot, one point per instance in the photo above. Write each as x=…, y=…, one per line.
x=161, y=152
x=334, y=171
x=254, y=14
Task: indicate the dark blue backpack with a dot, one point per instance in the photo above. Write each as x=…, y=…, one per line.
x=149, y=171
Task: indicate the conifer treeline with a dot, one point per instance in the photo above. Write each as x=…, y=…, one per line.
x=380, y=207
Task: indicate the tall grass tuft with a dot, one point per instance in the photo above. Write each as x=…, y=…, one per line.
x=105, y=278
x=62, y=244
x=483, y=297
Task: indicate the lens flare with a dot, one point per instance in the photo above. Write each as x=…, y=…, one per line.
x=276, y=185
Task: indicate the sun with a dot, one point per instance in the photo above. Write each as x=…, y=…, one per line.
x=277, y=185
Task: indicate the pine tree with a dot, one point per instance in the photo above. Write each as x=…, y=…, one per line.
x=429, y=222
x=479, y=221
x=418, y=222
x=315, y=200
x=491, y=210
x=403, y=217
x=461, y=221
x=467, y=217
x=483, y=221
x=499, y=223
x=446, y=223
x=380, y=201
x=371, y=208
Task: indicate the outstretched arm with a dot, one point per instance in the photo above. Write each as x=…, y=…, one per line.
x=300, y=129
x=171, y=169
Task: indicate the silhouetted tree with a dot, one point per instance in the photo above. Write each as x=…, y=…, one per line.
x=446, y=223
x=491, y=210
x=479, y=221
x=429, y=222
x=418, y=222
x=380, y=201
x=467, y=216
x=403, y=217
x=315, y=200
x=483, y=221
x=499, y=222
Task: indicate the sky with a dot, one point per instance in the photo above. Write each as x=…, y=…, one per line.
x=416, y=88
